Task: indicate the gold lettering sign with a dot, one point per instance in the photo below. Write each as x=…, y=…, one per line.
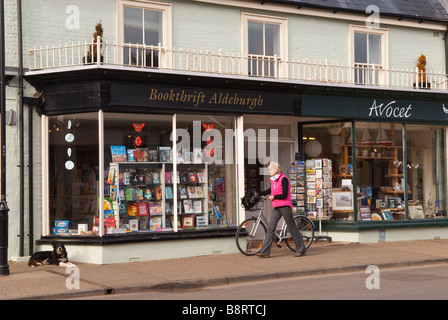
x=199, y=97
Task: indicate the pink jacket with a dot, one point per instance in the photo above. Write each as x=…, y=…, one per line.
x=276, y=188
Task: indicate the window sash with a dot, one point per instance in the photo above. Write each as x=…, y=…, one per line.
x=265, y=44
x=367, y=48
x=263, y=38
x=142, y=27
x=369, y=55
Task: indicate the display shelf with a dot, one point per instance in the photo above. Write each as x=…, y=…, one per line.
x=143, y=200
x=192, y=194
x=371, y=159
x=374, y=158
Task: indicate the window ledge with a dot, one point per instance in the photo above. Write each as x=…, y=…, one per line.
x=109, y=239
x=381, y=225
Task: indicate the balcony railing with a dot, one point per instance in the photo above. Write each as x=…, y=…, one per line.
x=220, y=62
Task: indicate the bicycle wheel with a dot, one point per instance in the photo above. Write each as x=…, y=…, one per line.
x=250, y=235
x=306, y=228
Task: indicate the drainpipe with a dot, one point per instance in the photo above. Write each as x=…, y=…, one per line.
x=446, y=49
x=21, y=134
x=22, y=101
x=4, y=267
x=22, y=148
x=30, y=182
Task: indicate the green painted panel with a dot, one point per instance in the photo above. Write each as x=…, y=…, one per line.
x=374, y=108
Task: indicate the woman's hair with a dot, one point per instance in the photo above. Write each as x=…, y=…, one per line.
x=275, y=166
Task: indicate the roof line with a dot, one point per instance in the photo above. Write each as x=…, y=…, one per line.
x=336, y=9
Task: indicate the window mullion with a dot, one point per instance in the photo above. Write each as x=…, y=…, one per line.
x=264, y=39
x=367, y=49
x=143, y=26
x=143, y=55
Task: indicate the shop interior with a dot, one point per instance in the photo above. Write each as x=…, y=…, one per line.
x=385, y=171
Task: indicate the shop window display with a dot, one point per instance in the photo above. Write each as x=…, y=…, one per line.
x=143, y=192
x=426, y=169
x=73, y=173
x=381, y=181
x=137, y=151
x=208, y=143
x=146, y=184
x=328, y=143
x=385, y=178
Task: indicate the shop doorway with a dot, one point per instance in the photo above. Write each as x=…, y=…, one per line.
x=254, y=180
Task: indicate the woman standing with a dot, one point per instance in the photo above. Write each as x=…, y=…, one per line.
x=280, y=195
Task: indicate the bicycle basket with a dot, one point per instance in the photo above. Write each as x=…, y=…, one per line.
x=249, y=200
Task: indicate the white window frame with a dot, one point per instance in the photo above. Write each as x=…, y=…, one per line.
x=238, y=188
x=283, y=37
x=165, y=8
x=384, y=33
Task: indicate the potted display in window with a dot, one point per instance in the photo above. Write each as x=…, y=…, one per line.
x=92, y=53
x=421, y=66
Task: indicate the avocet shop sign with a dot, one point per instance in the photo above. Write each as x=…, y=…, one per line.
x=373, y=108
x=390, y=110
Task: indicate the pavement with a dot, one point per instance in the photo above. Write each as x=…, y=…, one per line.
x=54, y=282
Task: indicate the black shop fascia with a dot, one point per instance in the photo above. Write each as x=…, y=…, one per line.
x=134, y=90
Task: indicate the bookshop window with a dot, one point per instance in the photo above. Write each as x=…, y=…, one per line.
x=73, y=172
x=427, y=171
x=206, y=164
x=137, y=155
x=380, y=172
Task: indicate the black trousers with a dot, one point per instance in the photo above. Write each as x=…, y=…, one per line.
x=276, y=214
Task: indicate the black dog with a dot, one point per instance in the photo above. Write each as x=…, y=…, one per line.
x=56, y=257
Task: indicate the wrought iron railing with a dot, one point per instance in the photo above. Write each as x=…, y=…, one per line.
x=221, y=62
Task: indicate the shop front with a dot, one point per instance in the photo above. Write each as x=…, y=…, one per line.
x=137, y=169
x=145, y=165
x=388, y=151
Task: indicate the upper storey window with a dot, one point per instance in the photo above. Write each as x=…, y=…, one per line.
x=143, y=27
x=369, y=55
x=264, y=44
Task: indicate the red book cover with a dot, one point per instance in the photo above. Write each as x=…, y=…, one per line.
x=142, y=209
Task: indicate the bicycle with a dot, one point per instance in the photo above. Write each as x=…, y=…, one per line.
x=252, y=231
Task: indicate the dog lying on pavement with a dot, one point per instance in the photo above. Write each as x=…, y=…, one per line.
x=56, y=257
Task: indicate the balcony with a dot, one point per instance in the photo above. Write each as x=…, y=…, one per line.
x=225, y=63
